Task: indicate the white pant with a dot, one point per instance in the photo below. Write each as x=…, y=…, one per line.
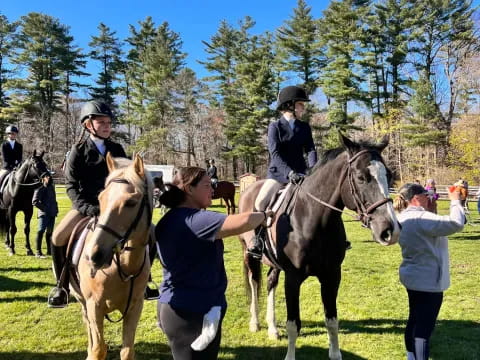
x=268, y=190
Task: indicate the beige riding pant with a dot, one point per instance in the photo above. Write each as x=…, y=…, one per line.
x=268, y=190
x=64, y=229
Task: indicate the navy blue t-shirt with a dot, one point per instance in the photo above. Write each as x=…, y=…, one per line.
x=194, y=276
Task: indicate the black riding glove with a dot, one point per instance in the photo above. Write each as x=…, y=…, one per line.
x=92, y=211
x=295, y=177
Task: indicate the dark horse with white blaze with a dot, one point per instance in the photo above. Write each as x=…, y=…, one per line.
x=17, y=196
x=308, y=235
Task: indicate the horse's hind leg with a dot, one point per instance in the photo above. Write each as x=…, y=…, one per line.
x=98, y=349
x=253, y=270
x=329, y=291
x=272, y=283
x=130, y=323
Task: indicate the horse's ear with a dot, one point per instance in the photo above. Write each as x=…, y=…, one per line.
x=41, y=154
x=111, y=164
x=34, y=152
x=138, y=165
x=384, y=142
x=347, y=143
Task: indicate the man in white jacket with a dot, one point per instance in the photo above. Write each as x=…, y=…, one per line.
x=424, y=270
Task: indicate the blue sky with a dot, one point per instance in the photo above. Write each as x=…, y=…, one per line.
x=194, y=20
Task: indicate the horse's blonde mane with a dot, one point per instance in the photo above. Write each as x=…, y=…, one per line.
x=127, y=172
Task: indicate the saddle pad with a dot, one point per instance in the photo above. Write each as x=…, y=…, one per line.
x=78, y=246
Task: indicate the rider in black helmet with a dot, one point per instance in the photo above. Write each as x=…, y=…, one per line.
x=85, y=174
x=212, y=172
x=289, y=139
x=12, y=152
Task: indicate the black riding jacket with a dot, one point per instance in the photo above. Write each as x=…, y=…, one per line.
x=85, y=173
x=11, y=157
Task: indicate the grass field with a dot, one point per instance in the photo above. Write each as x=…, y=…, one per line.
x=372, y=307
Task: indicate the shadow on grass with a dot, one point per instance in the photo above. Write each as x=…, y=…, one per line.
x=9, y=284
x=466, y=236
x=158, y=351
x=26, y=269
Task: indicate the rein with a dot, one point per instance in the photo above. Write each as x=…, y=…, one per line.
x=24, y=183
x=120, y=244
x=363, y=213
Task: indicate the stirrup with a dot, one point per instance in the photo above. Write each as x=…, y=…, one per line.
x=61, y=290
x=152, y=293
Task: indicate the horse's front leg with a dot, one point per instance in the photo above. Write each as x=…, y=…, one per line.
x=130, y=323
x=253, y=270
x=89, y=332
x=293, y=281
x=272, y=283
x=98, y=349
x=329, y=291
x=28, y=217
x=12, y=230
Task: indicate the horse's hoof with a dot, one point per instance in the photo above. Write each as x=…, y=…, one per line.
x=273, y=334
x=29, y=252
x=254, y=327
x=11, y=252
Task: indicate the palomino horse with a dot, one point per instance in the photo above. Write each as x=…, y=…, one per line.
x=114, y=265
x=226, y=190
x=17, y=196
x=309, y=236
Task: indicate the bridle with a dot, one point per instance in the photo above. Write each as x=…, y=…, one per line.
x=363, y=213
x=26, y=184
x=120, y=245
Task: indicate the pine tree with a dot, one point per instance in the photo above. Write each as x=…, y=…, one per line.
x=47, y=53
x=340, y=31
x=299, y=46
x=106, y=49
x=7, y=43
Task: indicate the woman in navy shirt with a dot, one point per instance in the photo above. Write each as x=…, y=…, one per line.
x=192, y=300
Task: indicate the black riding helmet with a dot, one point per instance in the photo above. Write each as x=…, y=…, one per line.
x=95, y=108
x=289, y=95
x=11, y=129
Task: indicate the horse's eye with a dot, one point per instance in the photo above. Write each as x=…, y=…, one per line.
x=130, y=203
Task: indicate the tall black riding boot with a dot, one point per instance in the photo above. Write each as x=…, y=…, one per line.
x=256, y=250
x=48, y=241
x=151, y=291
x=39, y=245
x=58, y=297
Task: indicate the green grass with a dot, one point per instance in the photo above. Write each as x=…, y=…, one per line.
x=372, y=308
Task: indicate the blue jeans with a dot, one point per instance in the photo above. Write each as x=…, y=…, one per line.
x=46, y=222
x=478, y=206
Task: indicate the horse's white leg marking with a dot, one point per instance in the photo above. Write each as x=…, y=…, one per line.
x=379, y=172
x=271, y=321
x=292, y=333
x=332, y=330
x=254, y=324
x=130, y=323
x=95, y=319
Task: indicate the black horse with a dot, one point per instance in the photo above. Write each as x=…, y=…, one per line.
x=308, y=235
x=17, y=196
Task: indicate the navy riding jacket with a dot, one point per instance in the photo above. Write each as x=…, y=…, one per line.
x=287, y=148
x=11, y=157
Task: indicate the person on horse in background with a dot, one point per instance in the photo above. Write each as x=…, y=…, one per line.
x=85, y=173
x=12, y=152
x=289, y=139
x=212, y=172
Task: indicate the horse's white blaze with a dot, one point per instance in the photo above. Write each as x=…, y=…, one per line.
x=271, y=321
x=334, y=347
x=254, y=325
x=379, y=172
x=292, y=333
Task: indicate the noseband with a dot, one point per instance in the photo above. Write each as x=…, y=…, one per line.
x=363, y=213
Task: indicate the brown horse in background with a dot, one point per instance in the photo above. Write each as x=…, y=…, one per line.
x=226, y=190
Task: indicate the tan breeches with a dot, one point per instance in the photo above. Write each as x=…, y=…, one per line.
x=62, y=231
x=268, y=190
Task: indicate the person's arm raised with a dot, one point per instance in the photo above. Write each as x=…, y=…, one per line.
x=240, y=223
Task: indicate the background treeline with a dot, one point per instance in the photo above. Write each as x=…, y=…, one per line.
x=408, y=68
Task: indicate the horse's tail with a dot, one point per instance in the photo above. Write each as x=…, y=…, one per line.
x=3, y=221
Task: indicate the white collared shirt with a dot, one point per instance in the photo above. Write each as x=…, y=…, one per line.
x=100, y=144
x=12, y=143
